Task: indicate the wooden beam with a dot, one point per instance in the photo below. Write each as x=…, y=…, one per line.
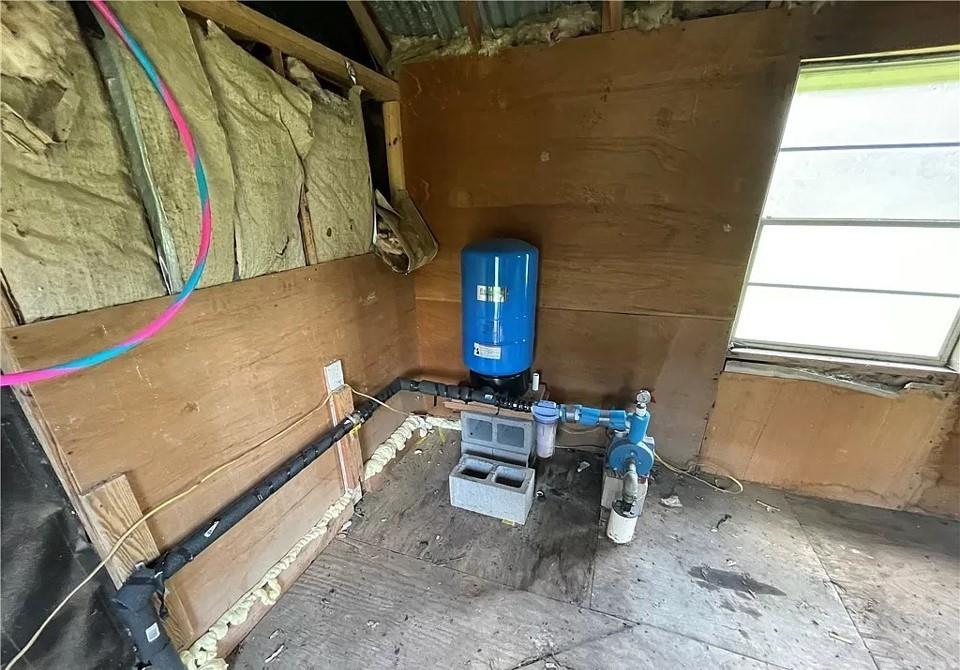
x=471, y=19
x=306, y=230
x=611, y=15
x=113, y=509
x=9, y=314
x=370, y=31
x=394, y=138
x=351, y=456
x=329, y=64
x=276, y=62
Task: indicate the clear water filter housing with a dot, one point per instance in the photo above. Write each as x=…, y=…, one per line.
x=499, y=302
x=546, y=416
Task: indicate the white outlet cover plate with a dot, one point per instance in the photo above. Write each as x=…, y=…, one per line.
x=333, y=374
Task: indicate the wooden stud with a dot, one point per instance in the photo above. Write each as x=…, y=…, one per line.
x=471, y=19
x=370, y=31
x=394, y=138
x=276, y=62
x=113, y=509
x=611, y=15
x=329, y=64
x=341, y=405
x=306, y=230
x=9, y=314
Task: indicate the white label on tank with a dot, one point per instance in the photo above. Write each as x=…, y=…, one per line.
x=484, y=351
x=153, y=632
x=491, y=294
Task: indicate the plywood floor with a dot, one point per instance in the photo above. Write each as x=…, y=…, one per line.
x=415, y=583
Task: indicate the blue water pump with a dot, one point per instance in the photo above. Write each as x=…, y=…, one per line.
x=629, y=458
x=499, y=302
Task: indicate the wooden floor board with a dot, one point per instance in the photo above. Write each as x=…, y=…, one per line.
x=724, y=569
x=805, y=584
x=361, y=607
x=552, y=554
x=897, y=575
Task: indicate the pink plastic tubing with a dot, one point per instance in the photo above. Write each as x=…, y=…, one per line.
x=206, y=228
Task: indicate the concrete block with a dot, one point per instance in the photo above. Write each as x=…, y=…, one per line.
x=612, y=488
x=501, y=490
x=498, y=437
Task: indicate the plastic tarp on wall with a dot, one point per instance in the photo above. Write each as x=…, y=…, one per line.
x=43, y=555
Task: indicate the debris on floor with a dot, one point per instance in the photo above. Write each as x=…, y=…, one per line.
x=723, y=520
x=582, y=466
x=769, y=508
x=273, y=656
x=671, y=501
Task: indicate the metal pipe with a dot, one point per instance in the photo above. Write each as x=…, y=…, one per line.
x=631, y=485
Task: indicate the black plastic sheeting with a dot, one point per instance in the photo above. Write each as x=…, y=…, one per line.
x=44, y=553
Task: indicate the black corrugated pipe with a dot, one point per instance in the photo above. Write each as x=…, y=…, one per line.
x=134, y=600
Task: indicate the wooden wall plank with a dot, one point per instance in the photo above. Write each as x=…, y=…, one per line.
x=611, y=358
x=113, y=510
x=237, y=633
x=642, y=190
x=394, y=140
x=832, y=442
x=638, y=164
x=611, y=15
x=241, y=362
x=217, y=578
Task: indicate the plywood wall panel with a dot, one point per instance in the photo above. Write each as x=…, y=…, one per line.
x=638, y=164
x=641, y=185
x=837, y=443
x=611, y=357
x=240, y=364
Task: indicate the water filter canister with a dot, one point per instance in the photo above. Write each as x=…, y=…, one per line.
x=546, y=416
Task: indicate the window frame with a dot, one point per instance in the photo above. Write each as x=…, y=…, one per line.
x=946, y=357
x=946, y=348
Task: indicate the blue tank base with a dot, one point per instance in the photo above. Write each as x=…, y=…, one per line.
x=510, y=385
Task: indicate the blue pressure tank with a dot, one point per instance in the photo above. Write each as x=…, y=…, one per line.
x=499, y=298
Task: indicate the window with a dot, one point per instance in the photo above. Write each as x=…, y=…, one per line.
x=858, y=250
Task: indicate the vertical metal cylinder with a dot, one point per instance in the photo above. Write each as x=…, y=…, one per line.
x=499, y=302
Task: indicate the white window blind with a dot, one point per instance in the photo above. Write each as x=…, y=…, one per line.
x=858, y=251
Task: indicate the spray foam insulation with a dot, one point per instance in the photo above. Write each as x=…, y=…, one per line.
x=267, y=120
x=339, y=195
x=71, y=217
x=162, y=31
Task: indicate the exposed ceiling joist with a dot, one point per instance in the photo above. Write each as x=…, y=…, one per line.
x=611, y=15
x=471, y=19
x=371, y=33
x=329, y=64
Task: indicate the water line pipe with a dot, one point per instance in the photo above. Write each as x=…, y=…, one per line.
x=133, y=601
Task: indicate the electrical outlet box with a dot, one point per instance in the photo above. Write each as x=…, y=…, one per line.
x=333, y=375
